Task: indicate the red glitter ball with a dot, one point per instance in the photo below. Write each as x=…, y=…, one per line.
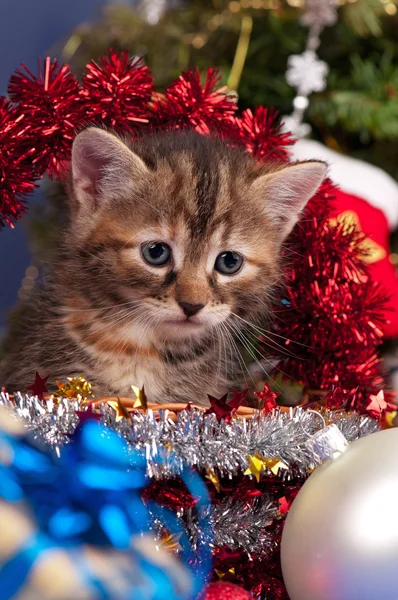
x=16, y=173
x=52, y=109
x=189, y=103
x=226, y=591
x=116, y=91
x=262, y=134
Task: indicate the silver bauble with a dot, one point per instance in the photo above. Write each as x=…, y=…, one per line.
x=340, y=540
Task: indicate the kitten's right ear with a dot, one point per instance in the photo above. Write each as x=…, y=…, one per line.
x=103, y=167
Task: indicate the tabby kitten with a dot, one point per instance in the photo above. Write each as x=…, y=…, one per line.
x=173, y=243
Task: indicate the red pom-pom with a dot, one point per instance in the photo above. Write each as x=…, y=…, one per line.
x=116, y=91
x=16, y=174
x=187, y=103
x=51, y=105
x=331, y=308
x=226, y=591
x=262, y=134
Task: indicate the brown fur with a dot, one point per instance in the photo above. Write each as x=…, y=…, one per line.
x=101, y=311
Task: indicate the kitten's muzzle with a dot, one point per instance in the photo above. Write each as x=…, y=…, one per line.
x=189, y=309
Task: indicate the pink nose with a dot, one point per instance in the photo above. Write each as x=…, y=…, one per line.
x=190, y=309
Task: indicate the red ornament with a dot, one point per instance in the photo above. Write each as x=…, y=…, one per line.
x=267, y=398
x=262, y=134
x=220, y=408
x=38, y=388
x=187, y=103
x=16, y=175
x=226, y=591
x=116, y=91
x=51, y=106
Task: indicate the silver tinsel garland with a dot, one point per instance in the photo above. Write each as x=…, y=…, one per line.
x=195, y=439
x=301, y=439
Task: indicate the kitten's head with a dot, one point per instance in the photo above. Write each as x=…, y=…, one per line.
x=180, y=228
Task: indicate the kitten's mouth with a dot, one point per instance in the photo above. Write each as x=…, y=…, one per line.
x=184, y=322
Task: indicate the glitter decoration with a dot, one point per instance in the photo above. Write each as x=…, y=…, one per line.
x=38, y=387
x=226, y=591
x=17, y=180
x=307, y=73
x=76, y=387
x=189, y=103
x=116, y=91
x=51, y=107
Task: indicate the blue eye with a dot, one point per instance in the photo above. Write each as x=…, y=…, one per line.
x=156, y=254
x=228, y=263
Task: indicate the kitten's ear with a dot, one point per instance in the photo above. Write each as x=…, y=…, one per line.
x=286, y=192
x=103, y=167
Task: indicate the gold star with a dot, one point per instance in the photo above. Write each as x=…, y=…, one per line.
x=258, y=464
x=211, y=475
x=121, y=411
x=371, y=251
x=172, y=542
x=76, y=387
x=221, y=574
x=141, y=401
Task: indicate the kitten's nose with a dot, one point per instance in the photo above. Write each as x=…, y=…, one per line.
x=190, y=309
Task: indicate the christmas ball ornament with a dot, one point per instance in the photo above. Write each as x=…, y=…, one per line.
x=226, y=591
x=341, y=535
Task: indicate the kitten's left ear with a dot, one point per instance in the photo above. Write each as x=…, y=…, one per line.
x=286, y=192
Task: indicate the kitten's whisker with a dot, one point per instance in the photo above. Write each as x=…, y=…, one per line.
x=267, y=333
x=242, y=362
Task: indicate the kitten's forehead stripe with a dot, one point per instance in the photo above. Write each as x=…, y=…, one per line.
x=206, y=192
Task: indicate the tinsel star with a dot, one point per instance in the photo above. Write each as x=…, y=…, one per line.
x=213, y=477
x=258, y=463
x=121, y=411
x=267, y=398
x=377, y=405
x=88, y=415
x=239, y=399
x=39, y=386
x=220, y=408
x=306, y=72
x=172, y=542
x=141, y=399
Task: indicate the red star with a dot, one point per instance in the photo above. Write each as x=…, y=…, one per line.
x=377, y=405
x=38, y=388
x=284, y=505
x=220, y=408
x=267, y=398
x=88, y=415
x=239, y=399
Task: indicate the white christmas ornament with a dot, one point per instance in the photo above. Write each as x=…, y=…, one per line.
x=307, y=73
x=340, y=540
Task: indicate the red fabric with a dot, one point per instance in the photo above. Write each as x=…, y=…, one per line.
x=373, y=223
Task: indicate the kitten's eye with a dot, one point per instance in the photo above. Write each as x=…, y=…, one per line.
x=156, y=253
x=228, y=263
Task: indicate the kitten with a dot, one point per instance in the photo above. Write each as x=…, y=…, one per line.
x=172, y=241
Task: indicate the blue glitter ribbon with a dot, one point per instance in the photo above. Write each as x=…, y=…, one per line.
x=90, y=495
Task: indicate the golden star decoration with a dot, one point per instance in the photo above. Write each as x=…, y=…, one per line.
x=141, y=399
x=121, y=411
x=221, y=574
x=258, y=463
x=76, y=387
x=211, y=475
x=371, y=251
x=172, y=542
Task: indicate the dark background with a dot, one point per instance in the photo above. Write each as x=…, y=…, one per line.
x=29, y=30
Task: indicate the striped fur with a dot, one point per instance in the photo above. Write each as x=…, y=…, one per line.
x=103, y=312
